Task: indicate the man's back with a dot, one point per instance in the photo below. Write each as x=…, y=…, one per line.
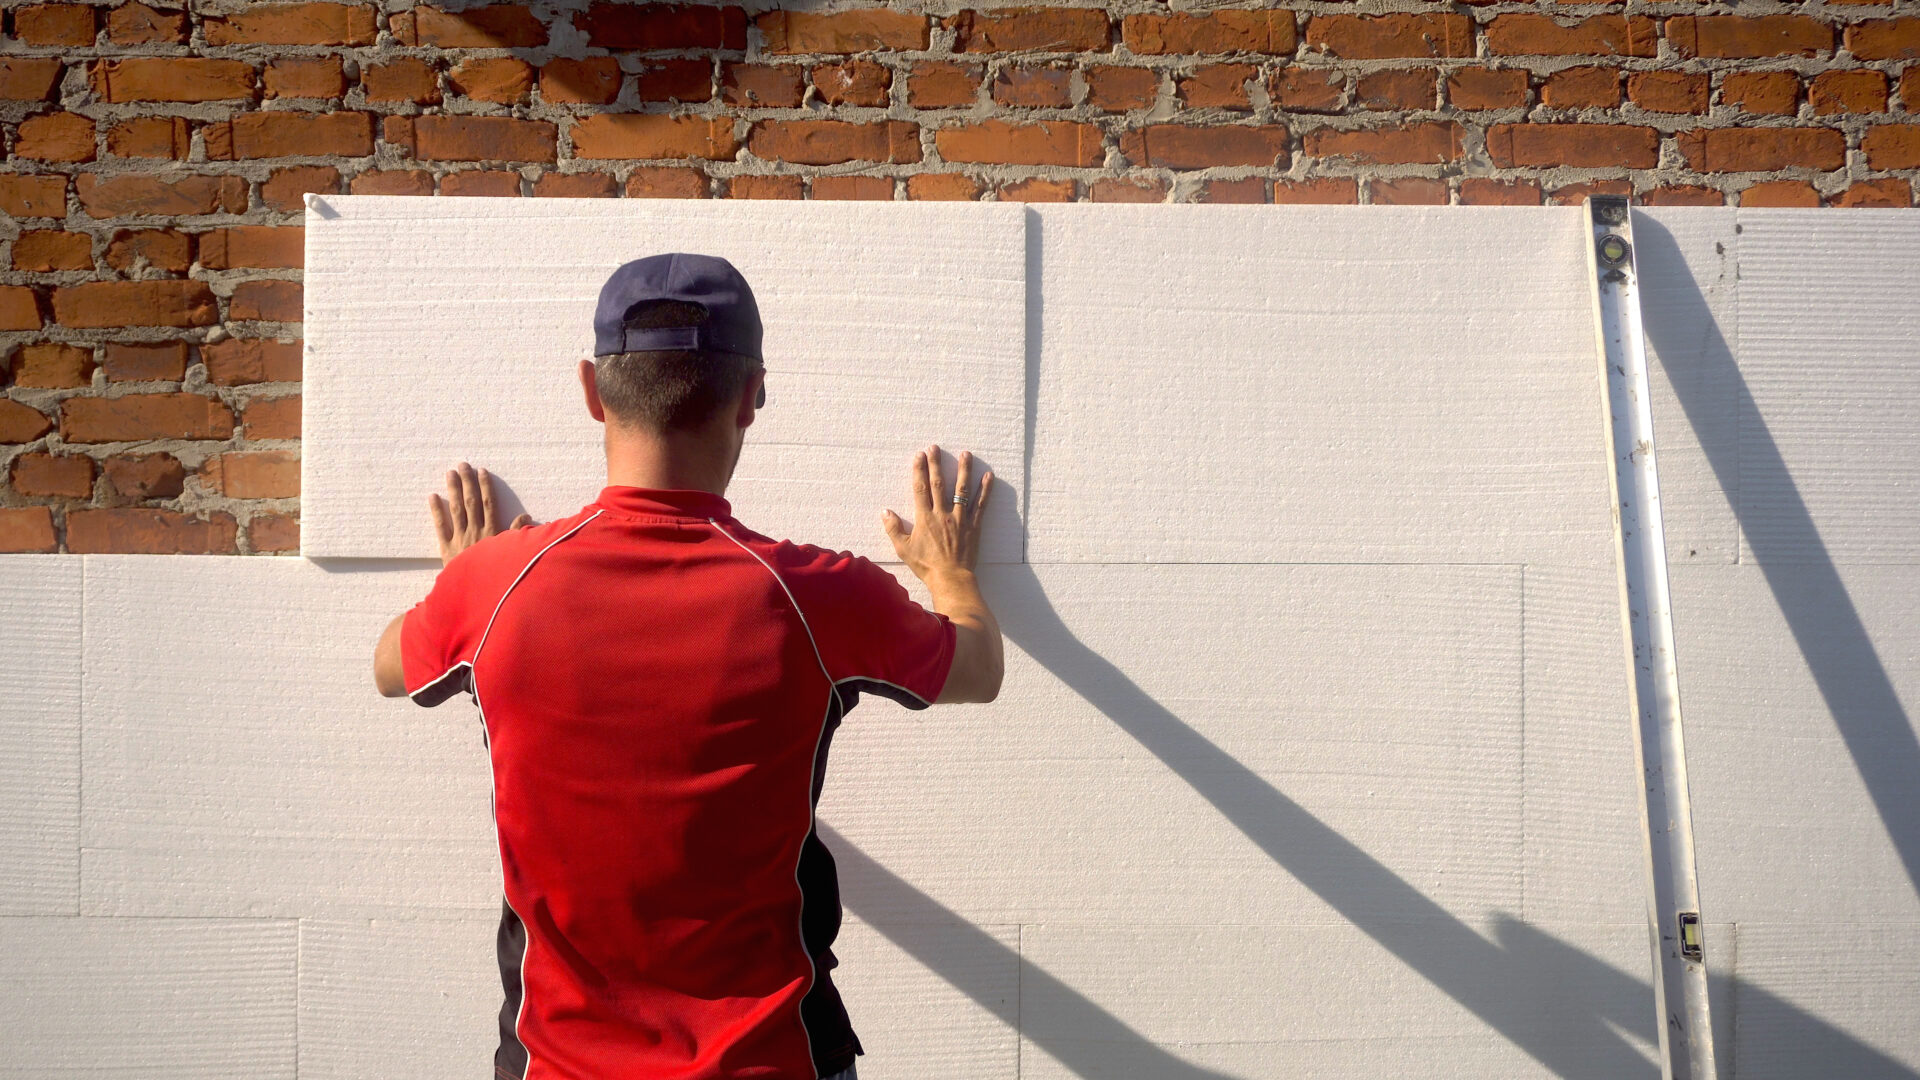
x=659, y=687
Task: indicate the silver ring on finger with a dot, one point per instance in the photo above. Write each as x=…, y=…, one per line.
x=960, y=500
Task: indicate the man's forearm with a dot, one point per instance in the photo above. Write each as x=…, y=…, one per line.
x=956, y=594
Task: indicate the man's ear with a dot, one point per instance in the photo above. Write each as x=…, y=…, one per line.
x=751, y=397
x=592, y=389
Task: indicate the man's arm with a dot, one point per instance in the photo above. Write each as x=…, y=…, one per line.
x=941, y=547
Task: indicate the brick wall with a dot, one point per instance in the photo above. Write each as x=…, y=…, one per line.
x=150, y=296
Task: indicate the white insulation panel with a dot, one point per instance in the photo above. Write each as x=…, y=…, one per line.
x=39, y=735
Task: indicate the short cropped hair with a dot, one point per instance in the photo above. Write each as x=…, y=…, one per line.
x=669, y=389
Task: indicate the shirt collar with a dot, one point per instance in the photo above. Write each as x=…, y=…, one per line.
x=681, y=503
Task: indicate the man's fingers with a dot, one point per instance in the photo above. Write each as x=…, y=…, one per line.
x=470, y=487
x=456, y=502
x=936, y=482
x=922, y=497
x=980, y=500
x=963, y=473
x=490, y=514
x=522, y=521
x=442, y=525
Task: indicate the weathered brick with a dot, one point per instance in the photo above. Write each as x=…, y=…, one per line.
x=1408, y=191
x=765, y=86
x=52, y=475
x=1522, y=34
x=493, y=183
x=858, y=30
x=1588, y=145
x=238, y=361
x=649, y=27
x=292, y=24
x=763, y=186
x=146, y=476
x=158, y=361
x=494, y=26
x=139, y=417
x=830, y=142
x=284, y=133
x=134, y=23
x=1728, y=37
x=1020, y=85
x=576, y=185
x=942, y=187
x=1226, y=31
x=27, y=529
x=55, y=24
x=28, y=78
x=149, y=531
x=267, y=301
x=23, y=195
x=492, y=78
x=171, y=78
x=1775, y=93
x=61, y=136
x=45, y=250
x=405, y=78
x=1892, y=146
x=1222, y=86
x=1762, y=149
x=854, y=82
x=1178, y=146
x=1890, y=192
x=1885, y=39
x=594, y=80
x=1037, y=189
x=1044, y=29
x=1252, y=189
x=52, y=365
x=135, y=303
x=1048, y=142
x=1380, y=37
x=1476, y=88
x=273, y=532
x=1114, y=189
x=1113, y=89
x=847, y=188
x=653, y=135
x=273, y=246
x=1306, y=89
x=158, y=249
x=1574, y=194
x=1403, y=88
x=675, y=80
x=151, y=137
x=1582, y=88
x=305, y=77
x=1682, y=195
x=20, y=423
x=1849, y=91
x=1669, y=91
x=392, y=182
x=286, y=189
x=19, y=309
x=667, y=182
x=475, y=138
x=260, y=474
x=1325, y=189
x=1407, y=144
x=271, y=418
x=1485, y=191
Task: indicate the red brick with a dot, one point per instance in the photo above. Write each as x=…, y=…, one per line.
x=262, y=474
x=943, y=187
x=61, y=136
x=1775, y=93
x=492, y=78
x=841, y=31
x=1115, y=89
x=1218, y=86
x=1253, y=189
x=1889, y=192
x=52, y=365
x=1682, y=195
x=27, y=529
x=1487, y=88
x=1728, y=37
x=1762, y=149
x=1520, y=34
x=1408, y=190
x=477, y=138
x=237, y=361
x=766, y=187
x=1395, y=89
x=293, y=24
x=271, y=246
x=135, y=303
x=1326, y=189
x=855, y=82
x=1856, y=91
x=33, y=196
x=19, y=310
x=1892, y=146
x=653, y=135
x=305, y=77
x=146, y=476
x=577, y=185
x=406, y=78
x=171, y=78
x=1045, y=29
x=158, y=249
x=1305, y=89
x=1226, y=31
x=28, y=78
x=286, y=189
x=1048, y=142
x=148, y=531
x=54, y=24
x=1380, y=37
x=1668, y=91
x=493, y=183
x=151, y=137
x=1581, y=88
x=1407, y=144
x=135, y=23
x=1037, y=189
x=19, y=423
x=830, y=142
x=160, y=361
x=268, y=301
x=138, y=417
x=392, y=182
x=53, y=475
x=1482, y=191
x=594, y=80
x=45, y=250
x=273, y=532
x=494, y=26
x=285, y=133
x=675, y=80
x=1178, y=146
x=1035, y=86
x=1587, y=145
x=666, y=183
x=875, y=188
x=651, y=27
x=1573, y=194
x=1127, y=190
x=1884, y=39
x=768, y=86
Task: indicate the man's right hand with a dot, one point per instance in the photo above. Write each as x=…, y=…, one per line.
x=945, y=535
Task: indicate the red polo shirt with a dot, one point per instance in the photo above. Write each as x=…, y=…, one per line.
x=658, y=685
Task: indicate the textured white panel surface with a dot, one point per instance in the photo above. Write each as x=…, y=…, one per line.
x=931, y=1000
x=440, y=330
x=1830, y=350
x=1322, y=383
x=237, y=760
x=166, y=999
x=1204, y=743
x=407, y=999
x=39, y=735
x=1826, y=998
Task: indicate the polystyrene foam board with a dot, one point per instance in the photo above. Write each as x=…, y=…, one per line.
x=1825, y=997
x=1829, y=452
x=1314, y=383
x=442, y=330
x=39, y=735
x=405, y=999
x=170, y=999
x=238, y=761
x=1309, y=743
x=931, y=1001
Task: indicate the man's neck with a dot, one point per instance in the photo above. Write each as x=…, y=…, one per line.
x=683, y=461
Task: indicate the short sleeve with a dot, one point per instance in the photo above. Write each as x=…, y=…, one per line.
x=439, y=635
x=872, y=634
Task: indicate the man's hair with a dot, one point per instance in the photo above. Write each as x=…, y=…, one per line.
x=669, y=389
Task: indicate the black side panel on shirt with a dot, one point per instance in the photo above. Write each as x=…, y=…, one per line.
x=510, y=1060
x=828, y=1029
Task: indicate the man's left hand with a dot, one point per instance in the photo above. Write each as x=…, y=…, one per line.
x=468, y=514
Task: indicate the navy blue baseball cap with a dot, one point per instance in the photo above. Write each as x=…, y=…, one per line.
x=733, y=318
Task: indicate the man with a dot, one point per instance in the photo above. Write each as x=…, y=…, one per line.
x=658, y=685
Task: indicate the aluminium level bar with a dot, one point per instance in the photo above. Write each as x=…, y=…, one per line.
x=1673, y=900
